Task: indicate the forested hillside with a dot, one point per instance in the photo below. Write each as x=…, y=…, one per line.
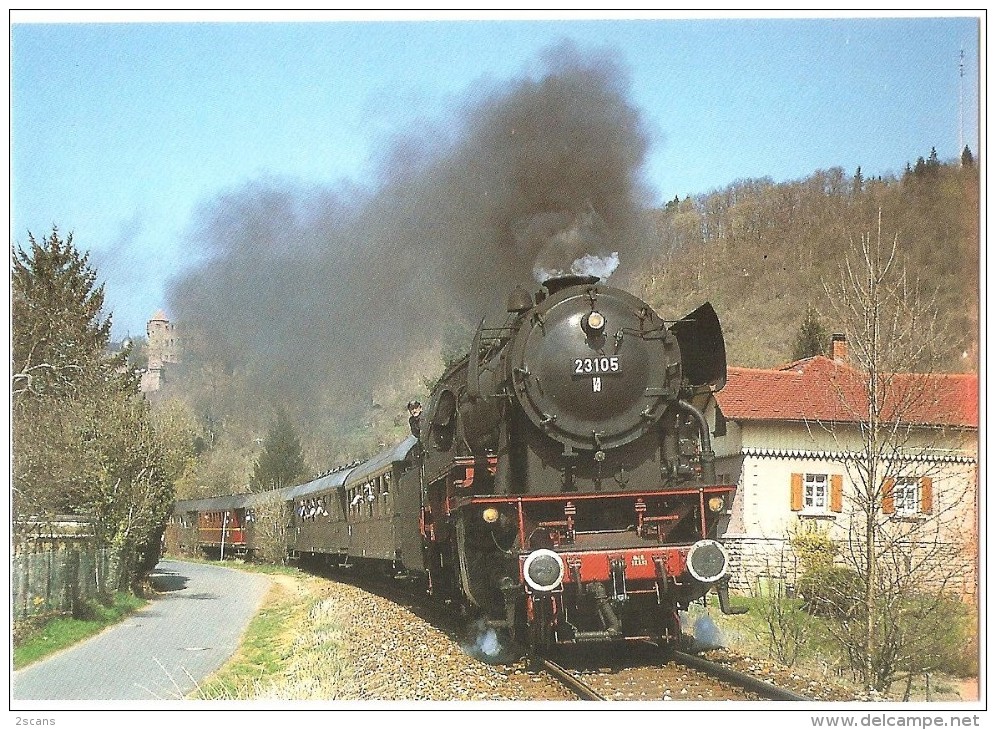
x=762, y=251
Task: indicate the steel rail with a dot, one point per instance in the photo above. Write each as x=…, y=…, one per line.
x=575, y=685
x=750, y=683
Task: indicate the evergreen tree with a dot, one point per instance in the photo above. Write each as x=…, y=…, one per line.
x=812, y=338
x=58, y=333
x=282, y=462
x=966, y=158
x=858, y=183
x=83, y=440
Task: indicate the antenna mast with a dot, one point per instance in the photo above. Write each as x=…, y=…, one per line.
x=961, y=108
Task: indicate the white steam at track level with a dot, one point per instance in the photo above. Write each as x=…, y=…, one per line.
x=485, y=644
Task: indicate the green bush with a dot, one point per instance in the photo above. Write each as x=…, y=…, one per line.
x=786, y=626
x=831, y=591
x=814, y=548
x=945, y=633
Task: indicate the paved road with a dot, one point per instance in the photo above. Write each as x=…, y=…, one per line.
x=160, y=652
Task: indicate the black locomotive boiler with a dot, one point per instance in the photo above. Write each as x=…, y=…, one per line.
x=562, y=488
x=569, y=484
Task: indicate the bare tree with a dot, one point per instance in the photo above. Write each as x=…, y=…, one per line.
x=899, y=431
x=270, y=519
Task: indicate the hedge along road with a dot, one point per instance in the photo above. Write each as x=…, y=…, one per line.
x=160, y=652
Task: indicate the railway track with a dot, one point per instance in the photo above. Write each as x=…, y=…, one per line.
x=568, y=680
x=764, y=690
x=705, y=680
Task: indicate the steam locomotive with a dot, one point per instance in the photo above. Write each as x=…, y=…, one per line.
x=561, y=488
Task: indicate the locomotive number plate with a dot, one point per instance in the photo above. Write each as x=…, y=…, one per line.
x=596, y=365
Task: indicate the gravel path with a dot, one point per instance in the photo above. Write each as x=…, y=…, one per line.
x=160, y=652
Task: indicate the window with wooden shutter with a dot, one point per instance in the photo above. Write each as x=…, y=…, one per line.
x=796, y=493
x=926, y=495
x=888, y=503
x=908, y=496
x=815, y=494
x=836, y=493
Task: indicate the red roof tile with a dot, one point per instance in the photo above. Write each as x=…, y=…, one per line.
x=820, y=389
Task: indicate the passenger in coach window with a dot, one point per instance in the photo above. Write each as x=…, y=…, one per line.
x=415, y=411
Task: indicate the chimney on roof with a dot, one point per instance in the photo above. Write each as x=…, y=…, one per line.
x=838, y=347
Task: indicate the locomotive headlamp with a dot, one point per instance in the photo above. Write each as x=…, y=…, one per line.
x=490, y=515
x=594, y=323
x=543, y=570
x=707, y=561
x=716, y=504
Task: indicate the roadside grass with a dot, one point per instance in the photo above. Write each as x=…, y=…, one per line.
x=60, y=632
x=292, y=649
x=239, y=564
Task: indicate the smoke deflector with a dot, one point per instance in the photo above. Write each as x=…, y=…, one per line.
x=703, y=351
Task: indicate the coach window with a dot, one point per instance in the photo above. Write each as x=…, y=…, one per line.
x=386, y=494
x=371, y=497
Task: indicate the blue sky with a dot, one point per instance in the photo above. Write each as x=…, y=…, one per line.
x=120, y=131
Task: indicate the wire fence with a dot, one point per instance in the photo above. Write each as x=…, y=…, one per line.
x=58, y=581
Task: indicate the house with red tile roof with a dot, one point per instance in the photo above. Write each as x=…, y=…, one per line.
x=794, y=439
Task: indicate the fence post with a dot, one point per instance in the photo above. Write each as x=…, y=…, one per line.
x=49, y=579
x=20, y=581
x=73, y=599
x=98, y=572
x=90, y=590
x=102, y=574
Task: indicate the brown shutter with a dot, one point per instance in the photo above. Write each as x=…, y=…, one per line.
x=796, y=497
x=926, y=495
x=888, y=502
x=836, y=493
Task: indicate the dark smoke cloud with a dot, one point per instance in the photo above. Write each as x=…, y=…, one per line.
x=307, y=291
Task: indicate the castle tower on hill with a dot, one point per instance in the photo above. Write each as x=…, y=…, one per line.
x=163, y=348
